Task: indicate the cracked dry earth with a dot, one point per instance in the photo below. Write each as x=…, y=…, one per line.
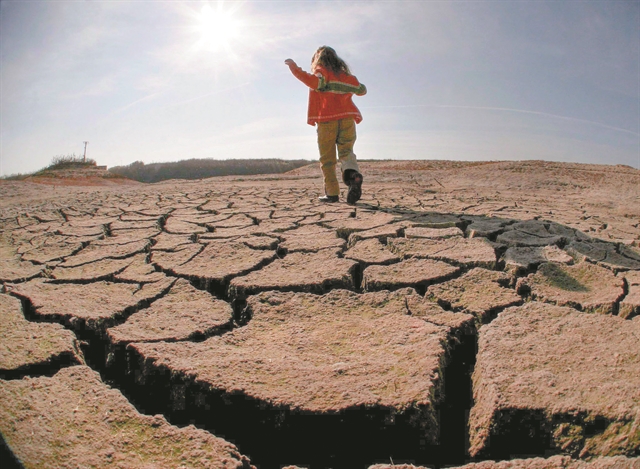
x=476, y=315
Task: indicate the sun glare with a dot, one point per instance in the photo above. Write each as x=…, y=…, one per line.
x=217, y=27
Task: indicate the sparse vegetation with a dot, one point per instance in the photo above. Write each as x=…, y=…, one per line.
x=69, y=162
x=15, y=177
x=204, y=168
x=58, y=162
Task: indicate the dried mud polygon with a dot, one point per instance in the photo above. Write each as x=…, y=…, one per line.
x=28, y=344
x=433, y=233
x=98, y=270
x=585, y=286
x=382, y=233
x=479, y=292
x=554, y=462
x=529, y=233
x=371, y=251
x=74, y=420
x=412, y=272
x=522, y=259
x=218, y=262
x=309, y=272
x=475, y=252
x=183, y=313
x=139, y=271
x=310, y=240
x=12, y=269
x=94, y=307
x=323, y=354
x=560, y=375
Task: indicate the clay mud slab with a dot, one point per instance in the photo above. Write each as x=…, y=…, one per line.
x=371, y=251
x=284, y=213
x=139, y=271
x=31, y=346
x=484, y=227
x=127, y=236
x=294, y=242
x=630, y=304
x=361, y=222
x=183, y=313
x=220, y=261
x=433, y=220
x=521, y=238
x=433, y=233
x=215, y=205
x=93, y=307
x=134, y=225
x=133, y=216
x=50, y=251
x=260, y=242
x=520, y=260
x=278, y=225
x=554, y=462
x=475, y=252
x=610, y=255
x=321, y=355
x=419, y=307
x=381, y=233
x=479, y=292
x=230, y=233
x=99, y=270
x=73, y=419
x=169, y=242
x=94, y=253
x=584, y=286
x=412, y=272
x=88, y=222
x=67, y=230
x=168, y=260
x=306, y=272
x=206, y=218
x=235, y=221
x=12, y=269
x=333, y=213
x=175, y=225
x=550, y=372
x=566, y=232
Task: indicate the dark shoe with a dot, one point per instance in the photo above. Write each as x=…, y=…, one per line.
x=329, y=199
x=355, y=187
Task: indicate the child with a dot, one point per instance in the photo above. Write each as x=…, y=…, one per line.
x=330, y=107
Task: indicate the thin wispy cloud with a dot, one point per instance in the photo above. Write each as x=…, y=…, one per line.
x=508, y=110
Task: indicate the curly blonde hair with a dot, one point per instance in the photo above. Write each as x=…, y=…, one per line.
x=326, y=56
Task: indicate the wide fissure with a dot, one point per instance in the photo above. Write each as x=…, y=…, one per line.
x=273, y=436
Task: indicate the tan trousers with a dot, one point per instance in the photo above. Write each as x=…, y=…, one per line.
x=339, y=134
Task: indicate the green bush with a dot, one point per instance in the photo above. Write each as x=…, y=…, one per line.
x=69, y=161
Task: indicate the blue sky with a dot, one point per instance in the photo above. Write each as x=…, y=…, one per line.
x=460, y=80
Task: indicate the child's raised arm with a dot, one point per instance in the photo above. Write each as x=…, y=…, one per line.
x=312, y=81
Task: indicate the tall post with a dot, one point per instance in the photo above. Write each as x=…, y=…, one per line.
x=84, y=158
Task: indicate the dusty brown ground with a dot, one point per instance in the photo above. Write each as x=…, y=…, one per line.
x=245, y=306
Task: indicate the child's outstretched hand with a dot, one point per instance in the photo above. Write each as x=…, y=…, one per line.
x=290, y=62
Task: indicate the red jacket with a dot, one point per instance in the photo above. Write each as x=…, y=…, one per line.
x=330, y=94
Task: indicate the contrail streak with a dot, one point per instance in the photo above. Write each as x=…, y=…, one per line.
x=179, y=103
x=506, y=109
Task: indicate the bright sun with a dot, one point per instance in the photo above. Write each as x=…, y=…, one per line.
x=217, y=27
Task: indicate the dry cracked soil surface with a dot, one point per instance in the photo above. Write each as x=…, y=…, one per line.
x=471, y=315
